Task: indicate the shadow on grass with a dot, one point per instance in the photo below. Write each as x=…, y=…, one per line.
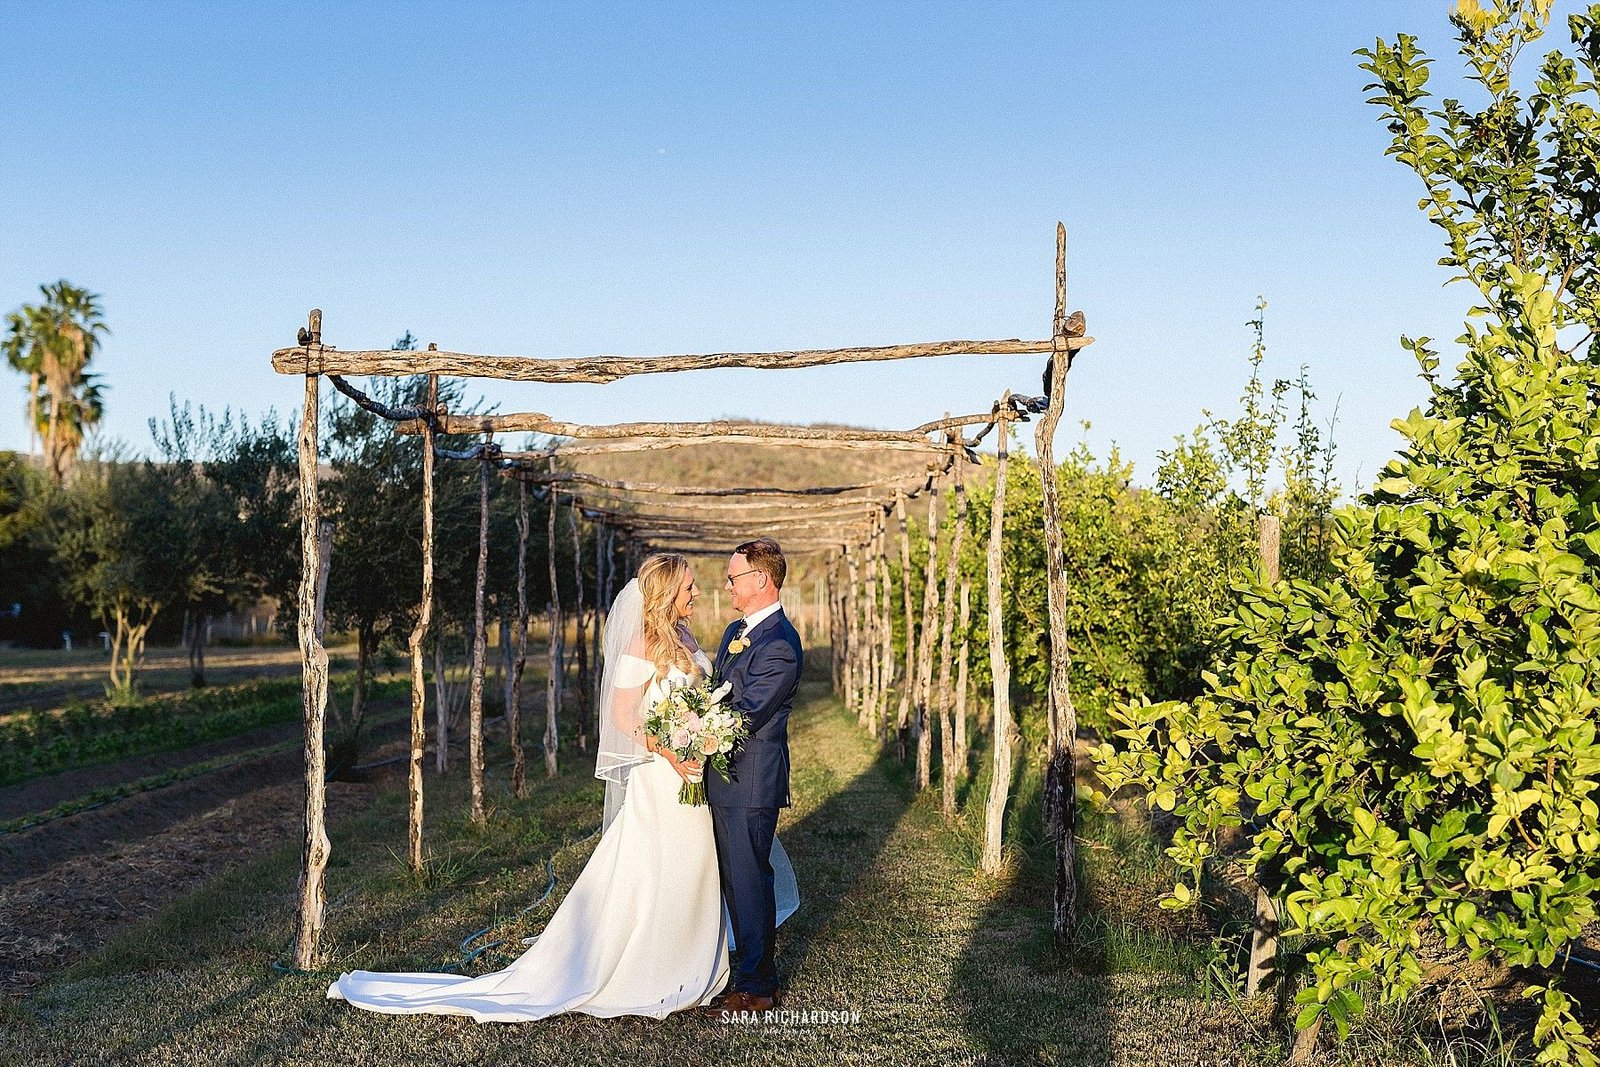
x=834, y=845
x=1113, y=990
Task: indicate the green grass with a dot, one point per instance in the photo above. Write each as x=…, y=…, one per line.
x=943, y=965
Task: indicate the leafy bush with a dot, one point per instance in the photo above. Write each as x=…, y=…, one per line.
x=1414, y=742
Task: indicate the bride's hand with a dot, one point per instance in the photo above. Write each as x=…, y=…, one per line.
x=683, y=767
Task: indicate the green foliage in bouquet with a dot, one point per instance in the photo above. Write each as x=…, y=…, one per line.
x=1413, y=743
x=695, y=724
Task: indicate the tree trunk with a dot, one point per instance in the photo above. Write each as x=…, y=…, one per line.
x=365, y=639
x=419, y=634
x=197, y=649
x=117, y=627
x=314, y=693
x=475, y=693
x=33, y=412
x=1000, y=784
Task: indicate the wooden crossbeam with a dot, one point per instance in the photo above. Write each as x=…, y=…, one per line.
x=658, y=489
x=737, y=507
x=316, y=358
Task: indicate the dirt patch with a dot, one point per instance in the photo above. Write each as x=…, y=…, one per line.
x=56, y=916
x=31, y=852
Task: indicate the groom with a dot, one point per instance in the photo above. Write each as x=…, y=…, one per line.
x=760, y=656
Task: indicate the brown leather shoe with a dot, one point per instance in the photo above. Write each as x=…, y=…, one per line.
x=736, y=1002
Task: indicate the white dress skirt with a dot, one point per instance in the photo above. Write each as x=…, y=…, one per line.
x=642, y=931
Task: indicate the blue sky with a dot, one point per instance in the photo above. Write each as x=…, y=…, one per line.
x=640, y=179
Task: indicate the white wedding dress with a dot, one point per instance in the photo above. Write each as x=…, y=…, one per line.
x=643, y=930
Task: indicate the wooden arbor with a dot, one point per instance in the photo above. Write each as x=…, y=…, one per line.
x=861, y=653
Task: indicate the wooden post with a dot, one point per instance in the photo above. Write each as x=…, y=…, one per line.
x=962, y=661
x=923, y=724
x=851, y=673
x=834, y=663
x=582, y=649
x=1264, y=936
x=902, y=722
x=999, y=668
x=818, y=619
x=519, y=760
x=441, y=707
x=314, y=688
x=885, y=630
x=1060, y=782
x=597, y=674
x=419, y=695
x=952, y=569
x=611, y=564
x=867, y=712
x=475, y=692
x=552, y=687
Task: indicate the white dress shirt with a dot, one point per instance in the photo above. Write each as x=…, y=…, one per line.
x=754, y=620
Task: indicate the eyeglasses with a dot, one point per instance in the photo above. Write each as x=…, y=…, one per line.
x=741, y=574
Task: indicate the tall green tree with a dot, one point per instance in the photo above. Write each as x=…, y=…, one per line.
x=120, y=537
x=53, y=343
x=1412, y=745
x=236, y=487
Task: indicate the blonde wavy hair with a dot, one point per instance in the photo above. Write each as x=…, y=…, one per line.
x=660, y=576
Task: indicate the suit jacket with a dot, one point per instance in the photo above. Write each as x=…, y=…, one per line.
x=765, y=678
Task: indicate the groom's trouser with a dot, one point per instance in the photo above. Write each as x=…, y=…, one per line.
x=744, y=854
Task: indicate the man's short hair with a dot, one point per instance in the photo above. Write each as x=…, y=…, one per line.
x=764, y=555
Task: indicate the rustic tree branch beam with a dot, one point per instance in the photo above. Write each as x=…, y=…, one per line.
x=874, y=440
x=790, y=548
x=745, y=507
x=580, y=478
x=366, y=403
x=317, y=358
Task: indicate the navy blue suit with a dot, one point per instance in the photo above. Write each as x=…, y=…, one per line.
x=744, y=804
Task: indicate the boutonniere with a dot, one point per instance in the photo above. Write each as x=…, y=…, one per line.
x=738, y=645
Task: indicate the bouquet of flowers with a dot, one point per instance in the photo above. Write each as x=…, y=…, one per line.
x=693, y=723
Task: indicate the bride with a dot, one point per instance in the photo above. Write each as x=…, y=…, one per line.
x=644, y=930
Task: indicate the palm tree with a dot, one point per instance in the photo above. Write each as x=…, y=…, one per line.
x=23, y=326
x=53, y=343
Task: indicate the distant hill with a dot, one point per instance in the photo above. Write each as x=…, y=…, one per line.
x=727, y=464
